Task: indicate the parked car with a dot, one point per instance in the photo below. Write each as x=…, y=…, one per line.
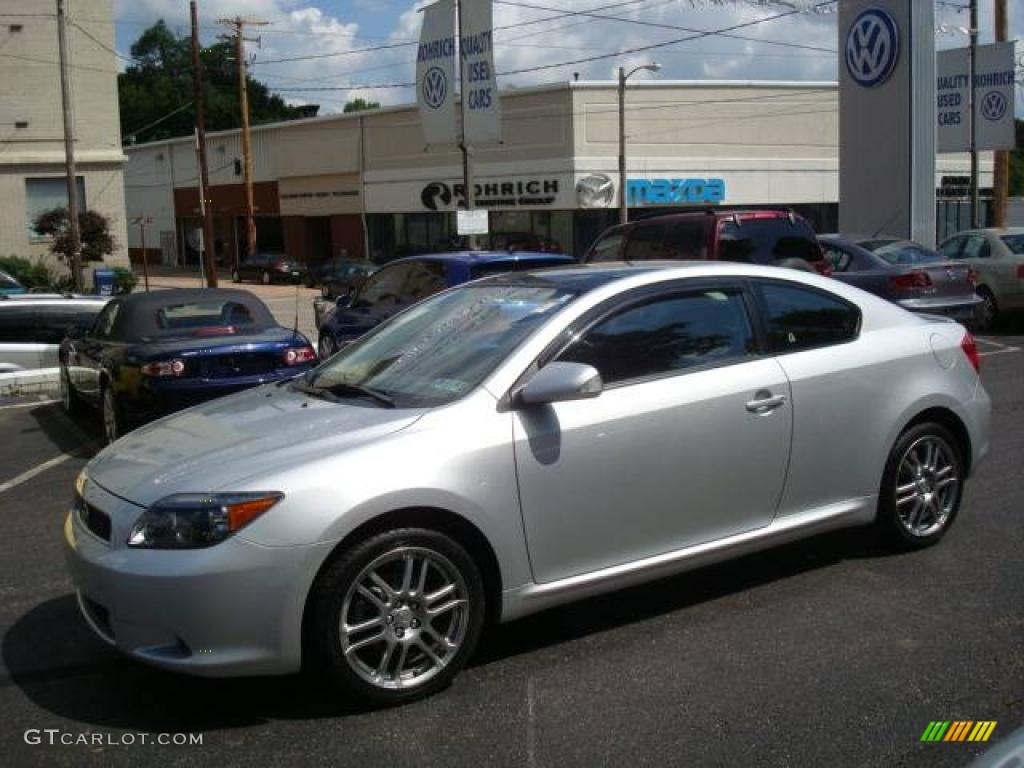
x=150, y=354
x=509, y=241
x=345, y=278
x=9, y=286
x=777, y=238
x=269, y=268
x=32, y=326
x=404, y=282
x=997, y=256
x=513, y=444
x=915, y=277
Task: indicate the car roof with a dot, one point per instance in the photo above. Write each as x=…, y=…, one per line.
x=587, y=277
x=51, y=297
x=488, y=257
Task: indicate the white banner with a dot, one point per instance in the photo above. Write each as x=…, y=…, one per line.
x=435, y=74
x=482, y=109
x=993, y=98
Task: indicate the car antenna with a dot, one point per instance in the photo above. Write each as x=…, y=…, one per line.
x=295, y=329
x=886, y=224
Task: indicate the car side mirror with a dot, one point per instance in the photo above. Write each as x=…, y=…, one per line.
x=560, y=381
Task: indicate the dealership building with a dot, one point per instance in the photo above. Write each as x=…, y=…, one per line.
x=364, y=183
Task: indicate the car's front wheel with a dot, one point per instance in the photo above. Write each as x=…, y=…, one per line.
x=922, y=487
x=394, y=618
x=988, y=311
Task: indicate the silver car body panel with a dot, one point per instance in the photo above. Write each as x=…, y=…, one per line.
x=553, y=495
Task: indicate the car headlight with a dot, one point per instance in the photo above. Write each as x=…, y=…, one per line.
x=195, y=520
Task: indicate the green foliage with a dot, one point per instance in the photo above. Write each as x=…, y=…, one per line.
x=161, y=81
x=93, y=229
x=360, y=105
x=124, y=280
x=31, y=274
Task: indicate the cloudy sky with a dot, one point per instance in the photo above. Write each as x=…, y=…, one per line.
x=316, y=44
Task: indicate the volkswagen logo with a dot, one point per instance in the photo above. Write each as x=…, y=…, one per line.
x=993, y=106
x=435, y=87
x=436, y=192
x=872, y=47
x=595, y=191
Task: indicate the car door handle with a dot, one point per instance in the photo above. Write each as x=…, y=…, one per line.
x=765, y=402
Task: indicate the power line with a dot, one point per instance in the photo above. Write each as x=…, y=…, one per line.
x=103, y=45
x=159, y=120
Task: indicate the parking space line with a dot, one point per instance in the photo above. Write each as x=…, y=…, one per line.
x=33, y=404
x=37, y=470
x=1000, y=348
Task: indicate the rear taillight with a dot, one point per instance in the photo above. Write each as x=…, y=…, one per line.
x=823, y=266
x=299, y=355
x=1020, y=272
x=164, y=368
x=911, y=281
x=972, y=277
x=970, y=349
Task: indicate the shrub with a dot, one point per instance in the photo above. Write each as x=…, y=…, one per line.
x=124, y=280
x=31, y=274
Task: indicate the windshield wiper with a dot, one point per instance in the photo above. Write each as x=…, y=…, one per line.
x=345, y=389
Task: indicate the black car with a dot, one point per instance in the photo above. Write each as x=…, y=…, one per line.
x=150, y=354
x=345, y=277
x=269, y=268
x=905, y=272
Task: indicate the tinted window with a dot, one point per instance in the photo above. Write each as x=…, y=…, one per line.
x=905, y=252
x=608, y=248
x=6, y=281
x=687, y=239
x=54, y=321
x=104, y=327
x=665, y=335
x=767, y=240
x=384, y=286
x=645, y=243
x=424, y=279
x=951, y=248
x=798, y=318
x=17, y=324
x=840, y=260
x=522, y=265
x=1014, y=242
x=976, y=247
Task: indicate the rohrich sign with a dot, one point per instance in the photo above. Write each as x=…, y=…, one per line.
x=994, y=79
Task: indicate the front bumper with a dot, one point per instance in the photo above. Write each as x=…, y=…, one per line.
x=232, y=609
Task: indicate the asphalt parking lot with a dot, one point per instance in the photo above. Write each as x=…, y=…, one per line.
x=830, y=651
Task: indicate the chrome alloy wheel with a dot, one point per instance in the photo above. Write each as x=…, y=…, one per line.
x=927, y=486
x=404, y=618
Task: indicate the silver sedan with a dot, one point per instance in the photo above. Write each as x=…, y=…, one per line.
x=513, y=444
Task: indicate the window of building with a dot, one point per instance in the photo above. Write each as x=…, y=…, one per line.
x=45, y=194
x=666, y=335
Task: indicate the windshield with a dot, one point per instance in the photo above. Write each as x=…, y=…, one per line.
x=1014, y=242
x=442, y=348
x=902, y=252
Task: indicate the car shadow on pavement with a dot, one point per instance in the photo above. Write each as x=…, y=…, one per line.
x=58, y=664
x=81, y=436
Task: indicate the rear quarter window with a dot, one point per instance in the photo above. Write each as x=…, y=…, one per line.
x=798, y=317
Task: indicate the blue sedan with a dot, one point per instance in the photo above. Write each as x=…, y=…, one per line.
x=150, y=354
x=404, y=282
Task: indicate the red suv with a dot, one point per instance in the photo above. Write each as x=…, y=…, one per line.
x=779, y=238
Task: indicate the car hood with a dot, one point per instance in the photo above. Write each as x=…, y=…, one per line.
x=221, y=444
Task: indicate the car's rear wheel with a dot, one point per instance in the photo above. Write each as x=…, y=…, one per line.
x=988, y=311
x=68, y=398
x=326, y=346
x=235, y=277
x=922, y=487
x=112, y=419
x=396, y=617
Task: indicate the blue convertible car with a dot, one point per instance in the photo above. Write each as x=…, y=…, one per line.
x=149, y=354
x=404, y=282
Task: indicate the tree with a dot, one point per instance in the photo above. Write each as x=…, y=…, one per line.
x=360, y=105
x=160, y=81
x=94, y=231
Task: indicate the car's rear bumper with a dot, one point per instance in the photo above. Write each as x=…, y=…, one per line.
x=231, y=609
x=961, y=310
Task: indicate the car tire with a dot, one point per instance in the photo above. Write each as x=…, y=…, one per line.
x=235, y=277
x=326, y=346
x=378, y=640
x=112, y=415
x=68, y=397
x=265, y=279
x=988, y=311
x=922, y=487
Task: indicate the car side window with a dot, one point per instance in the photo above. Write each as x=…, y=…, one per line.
x=977, y=247
x=424, y=279
x=666, y=335
x=840, y=260
x=608, y=248
x=646, y=243
x=385, y=285
x=17, y=324
x=951, y=249
x=54, y=321
x=797, y=317
x=104, y=327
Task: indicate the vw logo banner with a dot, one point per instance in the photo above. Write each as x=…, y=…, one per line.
x=872, y=47
x=435, y=73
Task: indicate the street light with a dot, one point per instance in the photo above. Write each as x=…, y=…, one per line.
x=623, y=77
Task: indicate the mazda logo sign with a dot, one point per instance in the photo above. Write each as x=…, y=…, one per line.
x=595, y=191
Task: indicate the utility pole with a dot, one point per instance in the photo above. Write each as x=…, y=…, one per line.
x=972, y=54
x=623, y=202
x=69, y=149
x=206, y=211
x=467, y=154
x=238, y=25
x=1001, y=172
x=142, y=221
